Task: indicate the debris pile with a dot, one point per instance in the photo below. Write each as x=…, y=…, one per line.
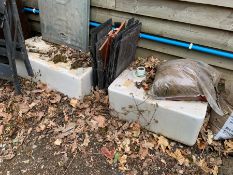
x=65, y=54
x=59, y=53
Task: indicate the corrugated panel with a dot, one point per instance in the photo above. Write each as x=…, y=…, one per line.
x=65, y=22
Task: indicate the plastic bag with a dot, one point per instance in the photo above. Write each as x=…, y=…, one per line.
x=186, y=79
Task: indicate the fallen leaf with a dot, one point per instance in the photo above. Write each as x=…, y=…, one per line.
x=143, y=153
x=52, y=111
x=33, y=104
x=106, y=100
x=2, y=107
x=93, y=124
x=148, y=145
x=1, y=129
x=163, y=143
x=66, y=130
x=9, y=156
x=210, y=137
x=125, y=145
x=136, y=129
x=144, y=149
x=86, y=141
x=24, y=108
x=40, y=115
x=179, y=157
x=97, y=96
x=66, y=118
x=123, y=159
x=101, y=120
x=42, y=86
x=29, y=131
x=228, y=144
x=216, y=161
x=203, y=165
x=74, y=146
x=56, y=98
x=215, y=170
x=201, y=144
x=20, y=137
x=163, y=161
x=122, y=162
x=107, y=153
x=58, y=142
x=41, y=127
x=74, y=103
x=6, y=117
x=80, y=125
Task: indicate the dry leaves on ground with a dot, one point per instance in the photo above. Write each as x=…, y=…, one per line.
x=107, y=153
x=84, y=126
x=228, y=146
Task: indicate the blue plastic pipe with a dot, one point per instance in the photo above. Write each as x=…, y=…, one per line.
x=31, y=10
x=190, y=46
x=173, y=42
x=94, y=24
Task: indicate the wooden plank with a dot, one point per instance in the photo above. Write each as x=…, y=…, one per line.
x=108, y=3
x=185, y=53
x=200, y=35
x=223, y=3
x=186, y=12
